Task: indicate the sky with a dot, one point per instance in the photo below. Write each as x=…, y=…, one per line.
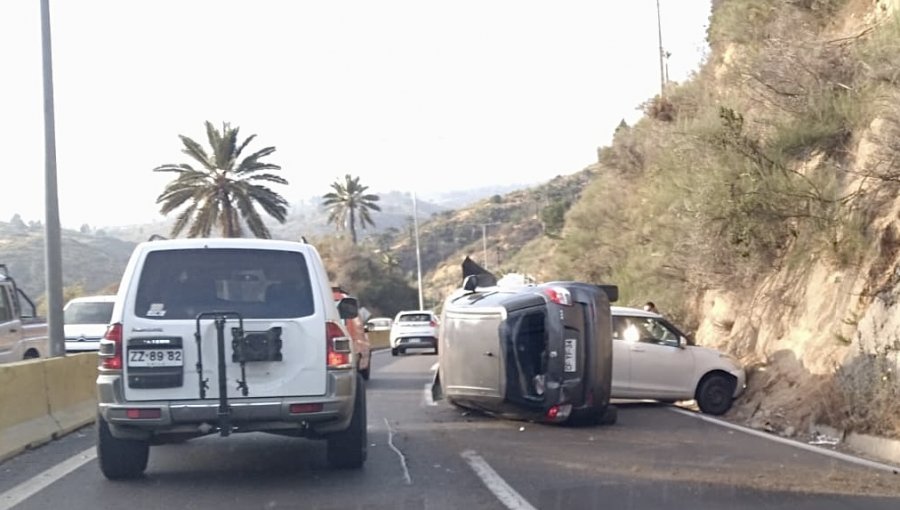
x=410, y=95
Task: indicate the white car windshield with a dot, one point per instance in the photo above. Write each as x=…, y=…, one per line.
x=88, y=313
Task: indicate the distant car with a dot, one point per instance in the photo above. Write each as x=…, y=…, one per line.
x=357, y=331
x=86, y=319
x=652, y=359
x=379, y=324
x=414, y=329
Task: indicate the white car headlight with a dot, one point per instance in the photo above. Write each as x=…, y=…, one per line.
x=734, y=361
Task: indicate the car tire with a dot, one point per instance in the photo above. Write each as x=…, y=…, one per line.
x=394, y=351
x=120, y=459
x=368, y=371
x=714, y=394
x=348, y=449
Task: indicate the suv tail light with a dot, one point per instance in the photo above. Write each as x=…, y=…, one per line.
x=559, y=295
x=111, y=348
x=338, y=346
x=433, y=323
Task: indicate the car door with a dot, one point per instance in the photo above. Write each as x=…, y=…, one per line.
x=621, y=362
x=9, y=334
x=660, y=367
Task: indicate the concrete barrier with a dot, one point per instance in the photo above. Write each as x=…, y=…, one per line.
x=379, y=339
x=72, y=390
x=25, y=415
x=43, y=399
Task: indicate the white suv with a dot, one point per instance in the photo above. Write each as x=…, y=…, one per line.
x=221, y=336
x=414, y=329
x=652, y=359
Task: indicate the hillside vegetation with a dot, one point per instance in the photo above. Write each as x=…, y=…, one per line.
x=757, y=203
x=92, y=262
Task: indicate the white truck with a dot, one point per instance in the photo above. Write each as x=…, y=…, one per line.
x=23, y=335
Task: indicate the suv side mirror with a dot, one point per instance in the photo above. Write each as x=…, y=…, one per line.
x=470, y=283
x=348, y=308
x=367, y=327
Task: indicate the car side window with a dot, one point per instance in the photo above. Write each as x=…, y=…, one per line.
x=5, y=308
x=643, y=329
x=654, y=331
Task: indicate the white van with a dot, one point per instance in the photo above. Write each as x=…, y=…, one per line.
x=221, y=336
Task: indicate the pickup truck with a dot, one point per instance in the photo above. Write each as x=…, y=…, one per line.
x=23, y=335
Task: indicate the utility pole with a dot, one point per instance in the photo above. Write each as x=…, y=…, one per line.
x=52, y=242
x=484, y=227
x=418, y=253
x=662, y=53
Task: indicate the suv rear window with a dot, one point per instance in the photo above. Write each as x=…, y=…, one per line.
x=416, y=317
x=258, y=284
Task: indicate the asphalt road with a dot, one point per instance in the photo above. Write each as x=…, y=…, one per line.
x=425, y=456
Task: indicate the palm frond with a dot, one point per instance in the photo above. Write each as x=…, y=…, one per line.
x=183, y=218
x=251, y=216
x=267, y=178
x=194, y=150
x=205, y=219
x=172, y=167
x=241, y=148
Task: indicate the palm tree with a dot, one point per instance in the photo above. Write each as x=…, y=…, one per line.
x=349, y=203
x=224, y=189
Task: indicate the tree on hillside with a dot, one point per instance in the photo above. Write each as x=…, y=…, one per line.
x=349, y=204
x=17, y=223
x=224, y=189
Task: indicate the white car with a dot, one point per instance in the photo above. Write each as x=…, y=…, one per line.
x=652, y=359
x=414, y=329
x=86, y=319
x=379, y=324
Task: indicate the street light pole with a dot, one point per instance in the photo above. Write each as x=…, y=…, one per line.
x=52, y=242
x=418, y=253
x=662, y=72
x=484, y=244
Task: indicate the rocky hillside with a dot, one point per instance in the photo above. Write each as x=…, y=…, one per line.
x=757, y=204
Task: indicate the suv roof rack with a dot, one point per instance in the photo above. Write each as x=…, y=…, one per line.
x=157, y=237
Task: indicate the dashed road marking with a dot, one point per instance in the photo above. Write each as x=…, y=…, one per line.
x=39, y=482
x=495, y=483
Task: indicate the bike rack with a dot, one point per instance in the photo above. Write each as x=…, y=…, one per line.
x=224, y=412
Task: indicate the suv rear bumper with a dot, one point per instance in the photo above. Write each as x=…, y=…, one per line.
x=200, y=417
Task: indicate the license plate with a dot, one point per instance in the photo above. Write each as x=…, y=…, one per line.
x=155, y=358
x=571, y=346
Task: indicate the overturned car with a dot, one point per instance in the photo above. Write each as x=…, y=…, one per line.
x=539, y=352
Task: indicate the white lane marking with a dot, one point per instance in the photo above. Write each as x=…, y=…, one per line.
x=39, y=482
x=790, y=442
x=397, y=451
x=434, y=367
x=497, y=485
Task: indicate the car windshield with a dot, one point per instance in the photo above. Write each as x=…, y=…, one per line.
x=263, y=284
x=415, y=317
x=88, y=313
